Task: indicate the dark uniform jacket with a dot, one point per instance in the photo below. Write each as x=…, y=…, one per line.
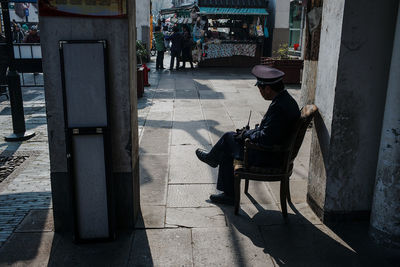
x=275, y=127
x=177, y=42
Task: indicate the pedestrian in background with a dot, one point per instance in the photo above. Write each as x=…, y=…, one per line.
x=18, y=35
x=187, y=47
x=176, y=47
x=166, y=36
x=33, y=36
x=160, y=47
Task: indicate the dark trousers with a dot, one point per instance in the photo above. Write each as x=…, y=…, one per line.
x=160, y=60
x=174, y=54
x=184, y=63
x=226, y=150
x=187, y=56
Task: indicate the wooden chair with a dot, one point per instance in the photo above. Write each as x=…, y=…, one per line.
x=288, y=152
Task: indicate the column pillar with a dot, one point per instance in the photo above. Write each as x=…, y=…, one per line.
x=120, y=34
x=350, y=95
x=385, y=216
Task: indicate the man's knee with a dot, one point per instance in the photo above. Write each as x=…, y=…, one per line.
x=228, y=135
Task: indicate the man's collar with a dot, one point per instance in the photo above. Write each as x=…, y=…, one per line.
x=279, y=95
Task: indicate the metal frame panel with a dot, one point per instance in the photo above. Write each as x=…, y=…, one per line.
x=103, y=130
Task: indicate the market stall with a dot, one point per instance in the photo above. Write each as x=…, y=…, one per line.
x=232, y=36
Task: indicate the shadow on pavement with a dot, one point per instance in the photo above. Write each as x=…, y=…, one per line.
x=298, y=242
x=31, y=241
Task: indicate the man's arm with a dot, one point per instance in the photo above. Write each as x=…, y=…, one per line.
x=270, y=132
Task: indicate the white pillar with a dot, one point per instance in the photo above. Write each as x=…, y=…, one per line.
x=385, y=217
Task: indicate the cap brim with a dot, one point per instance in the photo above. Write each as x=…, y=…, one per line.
x=268, y=82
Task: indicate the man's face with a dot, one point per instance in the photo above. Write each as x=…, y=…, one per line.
x=266, y=92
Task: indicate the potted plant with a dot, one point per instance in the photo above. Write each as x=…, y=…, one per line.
x=141, y=52
x=283, y=61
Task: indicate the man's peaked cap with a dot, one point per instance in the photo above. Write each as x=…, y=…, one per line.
x=266, y=75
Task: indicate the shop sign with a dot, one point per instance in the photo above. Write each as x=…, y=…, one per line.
x=83, y=8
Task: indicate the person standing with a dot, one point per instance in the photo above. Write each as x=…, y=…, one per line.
x=187, y=47
x=160, y=47
x=18, y=35
x=33, y=36
x=176, y=47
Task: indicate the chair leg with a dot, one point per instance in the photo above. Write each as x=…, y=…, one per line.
x=237, y=194
x=283, y=198
x=289, y=199
x=246, y=186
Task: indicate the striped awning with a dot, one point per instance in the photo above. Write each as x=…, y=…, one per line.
x=232, y=11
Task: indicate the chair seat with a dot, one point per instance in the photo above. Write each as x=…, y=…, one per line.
x=239, y=166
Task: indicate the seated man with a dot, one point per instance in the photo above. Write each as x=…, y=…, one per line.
x=274, y=129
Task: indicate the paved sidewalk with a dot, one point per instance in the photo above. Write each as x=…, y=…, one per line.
x=28, y=186
x=182, y=110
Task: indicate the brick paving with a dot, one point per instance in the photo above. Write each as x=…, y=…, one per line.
x=28, y=186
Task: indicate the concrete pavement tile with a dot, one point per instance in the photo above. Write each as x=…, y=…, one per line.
x=37, y=221
x=218, y=115
x=192, y=114
x=184, y=84
x=240, y=114
x=300, y=170
x=151, y=217
x=68, y=253
x=159, y=120
x=153, y=179
x=258, y=192
x=186, y=103
x=185, y=167
x=195, y=217
x=298, y=190
x=270, y=214
x=228, y=247
x=307, y=245
x=210, y=103
x=164, y=94
x=190, y=196
x=162, y=247
x=190, y=133
x=186, y=94
x=27, y=249
x=162, y=105
x=209, y=95
x=254, y=214
x=303, y=214
x=155, y=140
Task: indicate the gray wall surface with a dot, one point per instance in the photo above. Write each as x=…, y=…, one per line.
x=331, y=28
x=353, y=70
x=385, y=215
x=142, y=17
x=118, y=34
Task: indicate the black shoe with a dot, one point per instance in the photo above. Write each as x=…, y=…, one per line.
x=162, y=68
x=222, y=199
x=205, y=157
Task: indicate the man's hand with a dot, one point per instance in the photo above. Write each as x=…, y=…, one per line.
x=239, y=136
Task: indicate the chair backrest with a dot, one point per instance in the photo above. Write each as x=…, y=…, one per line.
x=299, y=131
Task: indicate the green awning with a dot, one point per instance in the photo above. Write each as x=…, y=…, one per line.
x=232, y=11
